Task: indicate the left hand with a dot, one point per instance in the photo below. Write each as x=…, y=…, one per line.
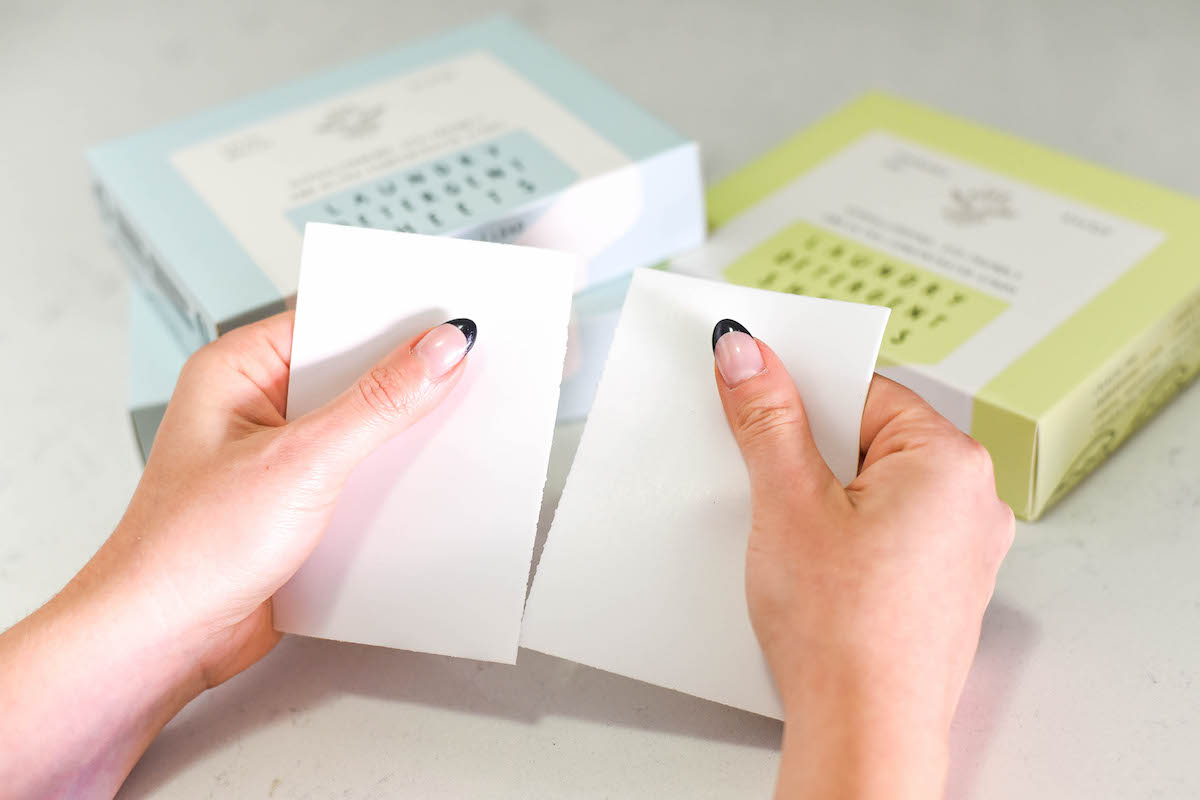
x=233, y=499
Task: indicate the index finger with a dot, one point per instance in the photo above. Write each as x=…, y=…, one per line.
x=895, y=417
x=259, y=352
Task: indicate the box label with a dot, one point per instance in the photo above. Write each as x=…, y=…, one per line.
x=470, y=119
x=1019, y=259
x=931, y=314
x=448, y=194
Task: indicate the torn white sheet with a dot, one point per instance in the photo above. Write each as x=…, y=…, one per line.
x=642, y=574
x=430, y=543
x=594, y=316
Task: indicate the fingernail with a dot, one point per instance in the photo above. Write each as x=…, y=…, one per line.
x=446, y=345
x=737, y=354
x=469, y=330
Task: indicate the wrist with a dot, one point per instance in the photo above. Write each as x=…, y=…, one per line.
x=207, y=632
x=107, y=680
x=862, y=735
x=126, y=594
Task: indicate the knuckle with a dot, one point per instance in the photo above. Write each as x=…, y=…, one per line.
x=766, y=419
x=975, y=459
x=287, y=448
x=1008, y=526
x=295, y=461
x=201, y=361
x=388, y=392
x=1001, y=531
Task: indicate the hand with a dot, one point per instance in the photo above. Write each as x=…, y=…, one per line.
x=232, y=501
x=234, y=498
x=867, y=600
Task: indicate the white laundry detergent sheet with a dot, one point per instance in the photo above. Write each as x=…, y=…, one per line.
x=430, y=543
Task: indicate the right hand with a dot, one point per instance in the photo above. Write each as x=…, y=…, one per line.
x=867, y=600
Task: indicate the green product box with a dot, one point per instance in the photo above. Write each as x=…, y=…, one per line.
x=1045, y=305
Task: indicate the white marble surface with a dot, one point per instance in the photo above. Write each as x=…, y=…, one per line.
x=1084, y=682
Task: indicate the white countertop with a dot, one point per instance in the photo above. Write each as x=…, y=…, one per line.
x=1084, y=682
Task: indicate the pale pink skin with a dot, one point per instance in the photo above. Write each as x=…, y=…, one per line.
x=867, y=600
x=177, y=600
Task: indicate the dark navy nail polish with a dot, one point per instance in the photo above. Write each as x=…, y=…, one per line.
x=469, y=330
x=726, y=326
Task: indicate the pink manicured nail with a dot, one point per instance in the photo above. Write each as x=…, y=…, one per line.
x=445, y=346
x=737, y=354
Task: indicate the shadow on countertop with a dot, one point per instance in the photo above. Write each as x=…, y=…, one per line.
x=301, y=674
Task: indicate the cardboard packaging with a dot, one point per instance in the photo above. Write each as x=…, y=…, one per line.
x=155, y=360
x=1047, y=306
x=483, y=133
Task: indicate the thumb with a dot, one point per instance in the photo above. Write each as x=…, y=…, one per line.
x=767, y=417
x=403, y=387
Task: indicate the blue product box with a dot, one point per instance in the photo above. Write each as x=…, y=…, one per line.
x=484, y=132
x=155, y=360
